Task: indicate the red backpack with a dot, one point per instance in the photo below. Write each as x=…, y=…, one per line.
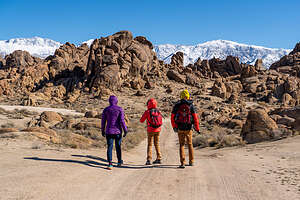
x=155, y=118
x=183, y=115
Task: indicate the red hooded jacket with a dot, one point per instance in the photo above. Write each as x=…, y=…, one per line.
x=150, y=105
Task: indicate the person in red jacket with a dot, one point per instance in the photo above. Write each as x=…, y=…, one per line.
x=153, y=130
x=183, y=117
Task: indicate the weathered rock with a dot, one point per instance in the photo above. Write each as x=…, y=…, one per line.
x=288, y=121
x=192, y=79
x=69, y=59
x=219, y=89
x=49, y=118
x=235, y=123
x=19, y=59
x=91, y=114
x=139, y=93
x=258, y=65
x=177, y=59
x=173, y=75
x=248, y=71
x=287, y=100
x=293, y=59
x=258, y=127
x=296, y=124
x=87, y=123
x=117, y=58
x=290, y=112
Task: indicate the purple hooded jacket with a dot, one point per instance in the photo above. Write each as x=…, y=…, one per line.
x=113, y=118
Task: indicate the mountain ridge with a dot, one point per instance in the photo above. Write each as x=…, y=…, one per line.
x=43, y=47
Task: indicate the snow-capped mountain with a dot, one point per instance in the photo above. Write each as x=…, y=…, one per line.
x=36, y=46
x=88, y=42
x=42, y=48
x=221, y=49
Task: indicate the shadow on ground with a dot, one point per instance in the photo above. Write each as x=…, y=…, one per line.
x=101, y=162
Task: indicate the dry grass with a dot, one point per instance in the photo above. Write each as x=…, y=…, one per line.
x=218, y=137
x=17, y=113
x=91, y=137
x=136, y=134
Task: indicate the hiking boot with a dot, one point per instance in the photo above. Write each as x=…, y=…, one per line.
x=182, y=166
x=157, y=161
x=148, y=162
x=110, y=166
x=120, y=163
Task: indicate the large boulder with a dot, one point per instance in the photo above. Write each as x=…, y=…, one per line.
x=259, y=65
x=177, y=59
x=49, y=118
x=219, y=89
x=174, y=75
x=119, y=58
x=19, y=59
x=258, y=127
x=224, y=89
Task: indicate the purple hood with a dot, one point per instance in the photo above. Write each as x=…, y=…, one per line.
x=113, y=118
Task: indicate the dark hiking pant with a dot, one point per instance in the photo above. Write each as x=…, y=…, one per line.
x=110, y=143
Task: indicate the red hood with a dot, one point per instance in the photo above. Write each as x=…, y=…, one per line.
x=151, y=104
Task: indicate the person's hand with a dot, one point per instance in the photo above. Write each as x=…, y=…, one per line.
x=175, y=130
x=103, y=133
x=125, y=133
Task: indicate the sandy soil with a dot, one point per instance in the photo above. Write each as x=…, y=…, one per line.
x=42, y=109
x=262, y=171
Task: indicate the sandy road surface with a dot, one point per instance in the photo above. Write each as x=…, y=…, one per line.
x=263, y=171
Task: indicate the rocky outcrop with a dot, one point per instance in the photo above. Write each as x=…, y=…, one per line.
x=258, y=127
x=289, y=64
x=2, y=62
x=68, y=65
x=177, y=60
x=22, y=73
x=258, y=65
x=20, y=59
x=47, y=119
x=224, y=88
x=119, y=58
x=174, y=75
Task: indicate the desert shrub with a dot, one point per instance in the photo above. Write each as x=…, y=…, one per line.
x=15, y=116
x=25, y=112
x=230, y=141
x=218, y=137
x=136, y=134
x=8, y=125
x=200, y=141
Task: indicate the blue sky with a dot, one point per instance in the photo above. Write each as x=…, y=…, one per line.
x=269, y=23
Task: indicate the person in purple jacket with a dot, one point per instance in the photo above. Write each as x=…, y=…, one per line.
x=112, y=125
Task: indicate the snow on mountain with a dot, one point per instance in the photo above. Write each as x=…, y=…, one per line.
x=221, y=49
x=36, y=46
x=42, y=48
x=89, y=42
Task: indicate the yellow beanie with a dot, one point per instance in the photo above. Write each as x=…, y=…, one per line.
x=184, y=94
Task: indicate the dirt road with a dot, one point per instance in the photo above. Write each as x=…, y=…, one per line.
x=263, y=171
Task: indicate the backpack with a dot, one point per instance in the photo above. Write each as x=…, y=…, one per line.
x=183, y=115
x=155, y=118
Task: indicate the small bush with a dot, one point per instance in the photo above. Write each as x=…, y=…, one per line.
x=8, y=125
x=218, y=137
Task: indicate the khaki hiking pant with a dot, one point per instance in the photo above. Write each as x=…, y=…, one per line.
x=155, y=136
x=185, y=135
